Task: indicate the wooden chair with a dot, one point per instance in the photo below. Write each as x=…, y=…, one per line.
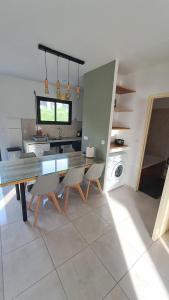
x=93, y=175
x=50, y=152
x=72, y=179
x=45, y=185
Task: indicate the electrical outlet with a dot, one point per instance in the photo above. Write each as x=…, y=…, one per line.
x=85, y=138
x=102, y=142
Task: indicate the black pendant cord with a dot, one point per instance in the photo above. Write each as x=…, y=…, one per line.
x=57, y=67
x=78, y=74
x=68, y=70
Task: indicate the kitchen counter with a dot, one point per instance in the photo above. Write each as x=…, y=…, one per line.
x=57, y=140
x=38, y=147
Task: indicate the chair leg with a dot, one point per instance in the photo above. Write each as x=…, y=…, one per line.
x=80, y=192
x=99, y=185
x=87, y=191
x=66, y=196
x=38, y=203
x=31, y=201
x=55, y=202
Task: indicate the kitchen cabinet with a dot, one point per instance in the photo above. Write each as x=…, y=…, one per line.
x=38, y=149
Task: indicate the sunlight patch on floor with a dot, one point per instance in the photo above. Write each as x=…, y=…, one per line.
x=147, y=269
x=5, y=199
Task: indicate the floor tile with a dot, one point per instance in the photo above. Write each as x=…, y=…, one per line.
x=116, y=294
x=91, y=226
x=63, y=243
x=111, y=215
x=148, y=279
x=47, y=288
x=158, y=255
x=96, y=199
x=10, y=208
x=17, y=234
x=1, y=275
x=135, y=232
x=118, y=225
x=85, y=278
x=117, y=256
x=77, y=208
x=25, y=266
x=49, y=219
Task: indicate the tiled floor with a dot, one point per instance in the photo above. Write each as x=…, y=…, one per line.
x=100, y=250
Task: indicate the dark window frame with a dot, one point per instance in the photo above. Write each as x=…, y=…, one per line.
x=55, y=101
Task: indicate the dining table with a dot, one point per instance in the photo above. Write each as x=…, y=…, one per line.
x=20, y=172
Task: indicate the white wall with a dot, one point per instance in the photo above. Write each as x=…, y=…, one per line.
x=17, y=101
x=147, y=82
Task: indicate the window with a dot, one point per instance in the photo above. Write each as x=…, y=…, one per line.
x=53, y=111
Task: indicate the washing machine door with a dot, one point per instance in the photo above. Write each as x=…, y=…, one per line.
x=117, y=171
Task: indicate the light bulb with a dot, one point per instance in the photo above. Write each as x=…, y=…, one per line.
x=46, y=87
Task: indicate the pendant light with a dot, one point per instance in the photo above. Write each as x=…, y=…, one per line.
x=78, y=86
x=46, y=79
x=68, y=94
x=58, y=94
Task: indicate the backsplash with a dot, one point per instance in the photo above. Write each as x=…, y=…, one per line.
x=28, y=127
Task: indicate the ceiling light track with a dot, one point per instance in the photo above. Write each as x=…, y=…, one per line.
x=60, y=54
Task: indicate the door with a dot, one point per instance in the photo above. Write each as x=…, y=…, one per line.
x=162, y=220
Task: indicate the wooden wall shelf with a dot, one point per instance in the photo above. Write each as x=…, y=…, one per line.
x=123, y=90
x=117, y=148
x=120, y=128
x=122, y=109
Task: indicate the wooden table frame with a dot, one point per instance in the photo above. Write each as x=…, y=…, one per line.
x=20, y=194
x=20, y=191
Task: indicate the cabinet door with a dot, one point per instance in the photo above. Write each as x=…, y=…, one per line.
x=38, y=149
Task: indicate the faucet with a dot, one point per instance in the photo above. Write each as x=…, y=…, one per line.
x=60, y=132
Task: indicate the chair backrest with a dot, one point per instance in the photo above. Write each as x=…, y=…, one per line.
x=50, y=152
x=95, y=171
x=74, y=176
x=45, y=184
x=67, y=148
x=27, y=155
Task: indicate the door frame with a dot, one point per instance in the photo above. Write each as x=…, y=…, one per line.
x=162, y=219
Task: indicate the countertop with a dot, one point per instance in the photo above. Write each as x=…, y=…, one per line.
x=49, y=141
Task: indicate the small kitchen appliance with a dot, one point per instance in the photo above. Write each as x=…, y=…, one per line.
x=90, y=152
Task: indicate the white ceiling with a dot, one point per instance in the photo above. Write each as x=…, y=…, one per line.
x=135, y=31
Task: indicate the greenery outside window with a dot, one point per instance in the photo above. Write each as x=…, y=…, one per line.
x=54, y=111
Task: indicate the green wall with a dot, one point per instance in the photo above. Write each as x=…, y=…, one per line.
x=97, y=104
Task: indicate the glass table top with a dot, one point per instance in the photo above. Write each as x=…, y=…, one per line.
x=29, y=168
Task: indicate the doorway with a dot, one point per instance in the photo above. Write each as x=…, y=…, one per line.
x=156, y=155
x=153, y=168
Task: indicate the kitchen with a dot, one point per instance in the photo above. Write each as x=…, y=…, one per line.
x=19, y=125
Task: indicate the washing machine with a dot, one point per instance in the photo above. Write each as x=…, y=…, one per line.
x=115, y=173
